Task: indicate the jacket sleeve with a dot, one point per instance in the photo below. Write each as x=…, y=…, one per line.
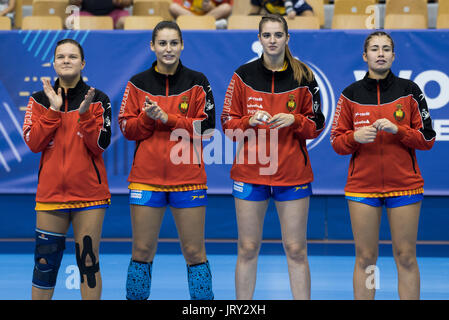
x=39, y=125
x=203, y=123
x=342, y=133
x=95, y=126
x=309, y=122
x=233, y=116
x=420, y=134
x=133, y=121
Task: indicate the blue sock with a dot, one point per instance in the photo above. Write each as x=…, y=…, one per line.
x=138, y=282
x=200, y=281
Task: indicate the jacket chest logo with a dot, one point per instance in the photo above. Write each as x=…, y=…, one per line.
x=291, y=103
x=399, y=113
x=184, y=106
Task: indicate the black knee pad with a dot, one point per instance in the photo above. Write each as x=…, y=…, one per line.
x=50, y=247
x=89, y=271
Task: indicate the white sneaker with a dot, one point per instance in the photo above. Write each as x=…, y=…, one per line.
x=221, y=24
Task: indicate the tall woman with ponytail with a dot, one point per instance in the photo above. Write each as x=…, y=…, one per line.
x=272, y=107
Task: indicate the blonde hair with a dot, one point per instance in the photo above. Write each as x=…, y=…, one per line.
x=300, y=69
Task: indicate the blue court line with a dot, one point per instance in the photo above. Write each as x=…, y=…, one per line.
x=34, y=40
x=42, y=43
x=84, y=37
x=76, y=34
x=51, y=45
x=26, y=37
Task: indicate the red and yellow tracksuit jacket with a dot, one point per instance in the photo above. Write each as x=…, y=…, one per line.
x=388, y=165
x=186, y=97
x=253, y=87
x=71, y=166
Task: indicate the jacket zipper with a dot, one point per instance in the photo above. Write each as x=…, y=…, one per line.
x=135, y=150
x=413, y=160
x=39, y=173
x=353, y=162
x=303, y=153
x=381, y=140
x=96, y=170
x=271, y=112
x=166, y=86
x=66, y=108
x=167, y=90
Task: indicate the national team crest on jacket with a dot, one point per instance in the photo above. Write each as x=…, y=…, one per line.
x=399, y=113
x=291, y=104
x=184, y=106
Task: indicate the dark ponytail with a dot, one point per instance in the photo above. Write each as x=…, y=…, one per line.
x=165, y=25
x=74, y=42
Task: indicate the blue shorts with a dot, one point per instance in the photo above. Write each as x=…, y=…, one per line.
x=82, y=209
x=389, y=202
x=260, y=192
x=176, y=199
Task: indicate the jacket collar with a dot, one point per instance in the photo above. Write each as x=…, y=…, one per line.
x=164, y=76
x=80, y=88
x=384, y=84
x=268, y=72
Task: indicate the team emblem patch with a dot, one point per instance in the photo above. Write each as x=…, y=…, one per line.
x=291, y=104
x=184, y=106
x=399, y=113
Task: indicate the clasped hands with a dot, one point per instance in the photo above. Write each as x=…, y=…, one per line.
x=368, y=134
x=280, y=120
x=154, y=111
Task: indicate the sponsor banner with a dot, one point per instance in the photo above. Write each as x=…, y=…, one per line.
x=112, y=57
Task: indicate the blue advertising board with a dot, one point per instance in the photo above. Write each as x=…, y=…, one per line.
x=112, y=57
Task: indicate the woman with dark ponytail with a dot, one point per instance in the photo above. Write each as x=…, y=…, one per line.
x=272, y=107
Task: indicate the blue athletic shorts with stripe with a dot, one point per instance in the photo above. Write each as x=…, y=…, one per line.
x=260, y=192
x=389, y=202
x=82, y=209
x=176, y=199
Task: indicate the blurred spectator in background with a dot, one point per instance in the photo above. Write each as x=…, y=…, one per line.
x=113, y=8
x=219, y=9
x=290, y=8
x=7, y=8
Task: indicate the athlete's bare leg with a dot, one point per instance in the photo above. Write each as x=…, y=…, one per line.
x=365, y=221
x=87, y=226
x=190, y=226
x=222, y=11
x=250, y=217
x=404, y=231
x=293, y=216
x=146, y=224
x=177, y=10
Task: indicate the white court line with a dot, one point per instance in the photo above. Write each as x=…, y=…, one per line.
x=11, y=145
x=3, y=161
x=13, y=118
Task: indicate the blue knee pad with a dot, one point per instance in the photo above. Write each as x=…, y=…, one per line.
x=200, y=281
x=138, y=281
x=50, y=247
